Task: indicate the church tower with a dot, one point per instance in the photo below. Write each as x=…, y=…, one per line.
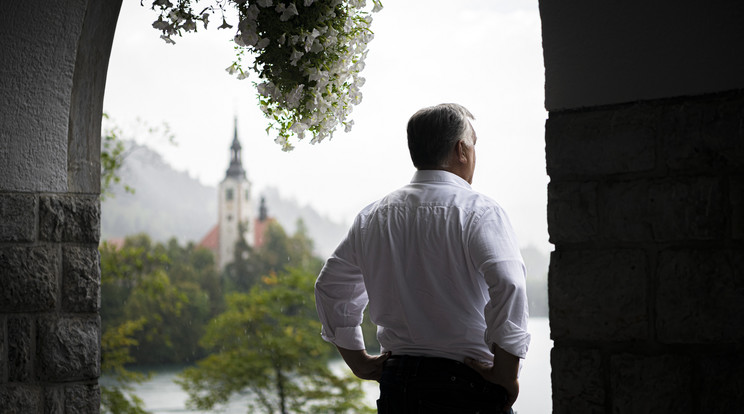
x=235, y=206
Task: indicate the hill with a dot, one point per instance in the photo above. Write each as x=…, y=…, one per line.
x=169, y=203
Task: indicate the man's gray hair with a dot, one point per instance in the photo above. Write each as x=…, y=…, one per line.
x=434, y=131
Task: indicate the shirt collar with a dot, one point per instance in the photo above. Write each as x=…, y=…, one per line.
x=441, y=176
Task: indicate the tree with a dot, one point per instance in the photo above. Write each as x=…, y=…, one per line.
x=267, y=345
x=278, y=253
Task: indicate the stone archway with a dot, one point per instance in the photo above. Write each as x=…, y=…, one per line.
x=55, y=59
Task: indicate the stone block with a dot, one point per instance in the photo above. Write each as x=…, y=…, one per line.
x=577, y=378
x=28, y=276
x=19, y=217
x=54, y=400
x=625, y=210
x=81, y=276
x=721, y=383
x=572, y=211
x=651, y=384
x=68, y=349
x=69, y=219
x=598, y=295
x=704, y=135
x=688, y=208
x=3, y=353
x=700, y=296
x=20, y=399
x=736, y=197
x=82, y=399
x=20, y=349
x=600, y=142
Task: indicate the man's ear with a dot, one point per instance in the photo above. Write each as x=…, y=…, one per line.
x=461, y=151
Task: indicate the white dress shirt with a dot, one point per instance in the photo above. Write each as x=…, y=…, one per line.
x=440, y=267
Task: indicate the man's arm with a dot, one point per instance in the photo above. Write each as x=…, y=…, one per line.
x=363, y=365
x=503, y=371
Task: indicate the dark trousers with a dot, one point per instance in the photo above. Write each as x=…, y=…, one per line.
x=413, y=385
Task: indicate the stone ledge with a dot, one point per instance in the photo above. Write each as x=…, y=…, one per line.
x=28, y=276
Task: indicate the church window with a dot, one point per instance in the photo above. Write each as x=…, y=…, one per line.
x=229, y=194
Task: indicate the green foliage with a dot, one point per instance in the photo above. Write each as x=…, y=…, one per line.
x=116, y=342
x=113, y=154
x=278, y=253
x=267, y=345
x=174, y=289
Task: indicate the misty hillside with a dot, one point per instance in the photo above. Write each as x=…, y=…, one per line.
x=169, y=203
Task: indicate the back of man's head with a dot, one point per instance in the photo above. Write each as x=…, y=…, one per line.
x=434, y=131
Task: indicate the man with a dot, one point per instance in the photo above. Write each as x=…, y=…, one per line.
x=440, y=268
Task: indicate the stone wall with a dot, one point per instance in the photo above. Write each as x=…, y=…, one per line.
x=49, y=302
x=646, y=284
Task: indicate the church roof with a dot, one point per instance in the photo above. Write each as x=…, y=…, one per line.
x=212, y=240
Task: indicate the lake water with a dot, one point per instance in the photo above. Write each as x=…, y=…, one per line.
x=161, y=395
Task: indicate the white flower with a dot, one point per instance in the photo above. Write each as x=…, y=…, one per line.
x=189, y=26
x=308, y=3
x=265, y=3
x=231, y=69
x=160, y=24
x=296, y=55
x=298, y=127
x=239, y=40
x=348, y=125
x=378, y=6
x=287, y=12
x=294, y=97
x=263, y=43
x=250, y=38
x=282, y=38
x=263, y=89
x=167, y=39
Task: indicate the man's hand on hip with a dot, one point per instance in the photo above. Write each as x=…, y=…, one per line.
x=503, y=371
x=363, y=365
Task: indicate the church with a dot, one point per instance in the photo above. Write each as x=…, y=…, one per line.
x=236, y=211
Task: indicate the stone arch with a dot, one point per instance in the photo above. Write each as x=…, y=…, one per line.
x=55, y=59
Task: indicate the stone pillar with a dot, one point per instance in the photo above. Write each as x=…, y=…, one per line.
x=55, y=58
x=645, y=152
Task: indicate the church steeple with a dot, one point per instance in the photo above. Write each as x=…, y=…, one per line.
x=236, y=164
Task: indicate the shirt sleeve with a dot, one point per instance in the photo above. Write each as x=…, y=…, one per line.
x=340, y=297
x=495, y=253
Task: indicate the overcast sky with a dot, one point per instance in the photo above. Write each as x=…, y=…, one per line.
x=484, y=54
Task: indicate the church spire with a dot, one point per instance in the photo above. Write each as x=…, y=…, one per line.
x=236, y=164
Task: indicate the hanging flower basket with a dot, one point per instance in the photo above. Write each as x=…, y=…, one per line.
x=307, y=55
